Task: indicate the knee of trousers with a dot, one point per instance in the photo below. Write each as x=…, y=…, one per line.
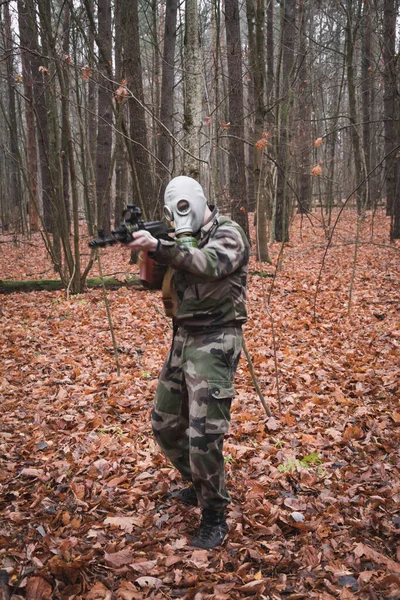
x=162, y=423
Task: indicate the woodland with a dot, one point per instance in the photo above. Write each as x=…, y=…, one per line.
x=287, y=112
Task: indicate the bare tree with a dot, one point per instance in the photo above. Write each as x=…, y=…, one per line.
x=303, y=128
x=138, y=147
x=164, y=149
x=237, y=173
x=256, y=32
x=284, y=122
x=105, y=119
x=192, y=91
x=391, y=109
x=15, y=188
x=31, y=142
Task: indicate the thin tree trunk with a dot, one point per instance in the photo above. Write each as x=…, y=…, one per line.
x=121, y=163
x=304, y=145
x=192, y=91
x=31, y=151
x=104, y=125
x=283, y=194
x=389, y=102
x=256, y=31
x=167, y=97
x=142, y=175
x=41, y=113
x=64, y=141
x=237, y=173
x=351, y=29
x=13, y=163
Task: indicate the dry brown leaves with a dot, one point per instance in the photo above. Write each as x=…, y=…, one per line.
x=315, y=490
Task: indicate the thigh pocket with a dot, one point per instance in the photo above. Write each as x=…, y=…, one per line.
x=167, y=400
x=220, y=394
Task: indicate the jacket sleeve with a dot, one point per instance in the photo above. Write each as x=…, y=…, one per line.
x=223, y=254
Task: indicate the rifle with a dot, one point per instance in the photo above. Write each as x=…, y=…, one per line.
x=130, y=223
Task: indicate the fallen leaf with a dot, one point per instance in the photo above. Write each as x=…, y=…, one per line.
x=126, y=523
x=119, y=559
x=38, y=588
x=199, y=559
x=99, y=592
x=152, y=582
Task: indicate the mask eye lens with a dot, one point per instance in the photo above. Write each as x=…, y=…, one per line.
x=183, y=207
x=168, y=213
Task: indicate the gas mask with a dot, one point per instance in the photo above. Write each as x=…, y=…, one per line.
x=185, y=205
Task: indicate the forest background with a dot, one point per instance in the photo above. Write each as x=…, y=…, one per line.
x=288, y=114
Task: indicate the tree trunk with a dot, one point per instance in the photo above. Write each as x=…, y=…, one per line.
x=192, y=91
x=64, y=141
x=104, y=125
x=121, y=163
x=283, y=194
x=351, y=28
x=304, y=142
x=167, y=98
x=237, y=168
x=13, y=163
x=31, y=151
x=142, y=175
x=41, y=114
x=390, y=103
x=255, y=24
x=366, y=87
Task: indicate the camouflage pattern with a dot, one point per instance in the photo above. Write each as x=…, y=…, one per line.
x=210, y=280
x=191, y=413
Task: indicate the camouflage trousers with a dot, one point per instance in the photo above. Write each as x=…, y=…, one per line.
x=191, y=412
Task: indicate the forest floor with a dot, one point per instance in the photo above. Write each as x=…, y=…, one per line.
x=315, y=488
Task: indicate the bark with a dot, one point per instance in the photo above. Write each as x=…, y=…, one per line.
x=352, y=25
x=164, y=150
x=390, y=103
x=104, y=125
x=255, y=24
x=91, y=125
x=192, y=91
x=237, y=172
x=48, y=285
x=140, y=161
x=15, y=188
x=40, y=98
x=31, y=151
x=121, y=164
x=304, y=142
x=366, y=86
x=64, y=140
x=283, y=194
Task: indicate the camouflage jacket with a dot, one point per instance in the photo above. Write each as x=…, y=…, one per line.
x=210, y=280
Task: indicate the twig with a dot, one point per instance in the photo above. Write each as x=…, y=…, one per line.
x=255, y=382
x=106, y=302
x=353, y=272
x=335, y=225
x=164, y=316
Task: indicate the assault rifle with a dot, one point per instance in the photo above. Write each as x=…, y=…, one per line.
x=131, y=222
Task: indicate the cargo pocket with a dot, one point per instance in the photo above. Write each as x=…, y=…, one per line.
x=219, y=406
x=166, y=401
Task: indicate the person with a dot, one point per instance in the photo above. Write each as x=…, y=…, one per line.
x=191, y=412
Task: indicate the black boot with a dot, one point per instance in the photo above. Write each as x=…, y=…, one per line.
x=213, y=529
x=187, y=495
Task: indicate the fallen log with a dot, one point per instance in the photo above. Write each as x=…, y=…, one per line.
x=12, y=286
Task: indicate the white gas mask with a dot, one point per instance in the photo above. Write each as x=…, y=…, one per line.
x=185, y=205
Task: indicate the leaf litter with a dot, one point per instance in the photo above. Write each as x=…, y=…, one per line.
x=315, y=489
